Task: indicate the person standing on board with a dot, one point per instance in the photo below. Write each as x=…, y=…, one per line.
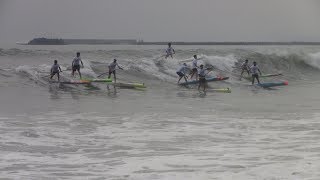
x=55, y=69
x=254, y=69
x=182, y=72
x=194, y=69
x=76, y=64
x=112, y=69
x=202, y=77
x=170, y=51
x=245, y=67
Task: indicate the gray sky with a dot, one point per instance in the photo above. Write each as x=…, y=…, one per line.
x=161, y=20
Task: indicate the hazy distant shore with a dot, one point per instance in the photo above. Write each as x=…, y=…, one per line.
x=230, y=43
x=48, y=41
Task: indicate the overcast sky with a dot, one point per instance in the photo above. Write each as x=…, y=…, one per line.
x=161, y=20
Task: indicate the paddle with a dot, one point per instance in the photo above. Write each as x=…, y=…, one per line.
x=49, y=75
x=236, y=67
x=210, y=69
x=102, y=74
x=158, y=57
x=107, y=73
x=232, y=73
x=46, y=76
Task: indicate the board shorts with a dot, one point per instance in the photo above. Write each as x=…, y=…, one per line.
x=55, y=72
x=167, y=55
x=76, y=67
x=112, y=72
x=255, y=76
x=245, y=68
x=202, y=79
x=180, y=74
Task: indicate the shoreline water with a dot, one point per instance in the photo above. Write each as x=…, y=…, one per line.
x=48, y=41
x=166, y=131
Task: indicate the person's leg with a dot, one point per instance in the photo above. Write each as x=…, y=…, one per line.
x=185, y=78
x=180, y=79
x=241, y=74
x=79, y=73
x=114, y=75
x=58, y=74
x=205, y=86
x=202, y=84
x=180, y=76
x=52, y=74
x=258, y=79
x=109, y=76
x=192, y=73
x=253, y=76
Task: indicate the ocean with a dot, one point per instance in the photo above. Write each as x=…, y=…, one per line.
x=52, y=131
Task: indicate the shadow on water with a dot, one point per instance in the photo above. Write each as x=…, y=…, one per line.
x=54, y=92
x=257, y=89
x=74, y=95
x=112, y=92
x=185, y=91
x=191, y=94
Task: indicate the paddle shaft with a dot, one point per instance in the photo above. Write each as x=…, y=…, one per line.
x=107, y=73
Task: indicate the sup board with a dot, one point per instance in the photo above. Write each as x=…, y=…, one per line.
x=128, y=85
x=209, y=79
x=185, y=61
x=220, y=90
x=272, y=84
x=189, y=60
x=99, y=80
x=263, y=76
x=72, y=82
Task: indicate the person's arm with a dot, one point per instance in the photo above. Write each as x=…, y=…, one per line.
x=72, y=63
x=81, y=63
x=51, y=70
x=119, y=67
x=208, y=70
x=259, y=71
x=60, y=69
x=188, y=69
x=173, y=51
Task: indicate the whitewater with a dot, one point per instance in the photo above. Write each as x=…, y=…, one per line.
x=52, y=131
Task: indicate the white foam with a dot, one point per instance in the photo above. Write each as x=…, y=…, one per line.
x=314, y=60
x=165, y=69
x=221, y=62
